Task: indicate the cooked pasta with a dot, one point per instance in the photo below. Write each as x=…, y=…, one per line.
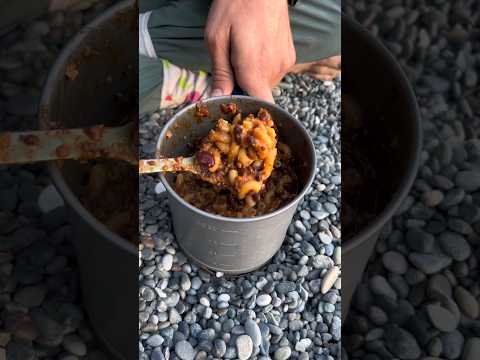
x=280, y=188
x=240, y=154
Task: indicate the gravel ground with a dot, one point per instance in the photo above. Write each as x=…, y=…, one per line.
x=419, y=295
x=41, y=314
x=288, y=308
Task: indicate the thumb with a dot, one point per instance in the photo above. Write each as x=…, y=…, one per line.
x=222, y=73
x=259, y=89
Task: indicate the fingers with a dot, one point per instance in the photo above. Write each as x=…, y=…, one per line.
x=255, y=86
x=324, y=73
x=222, y=73
x=334, y=62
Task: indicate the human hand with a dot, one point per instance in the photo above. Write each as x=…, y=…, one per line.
x=250, y=42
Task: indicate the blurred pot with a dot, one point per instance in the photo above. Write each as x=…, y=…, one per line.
x=375, y=80
x=108, y=263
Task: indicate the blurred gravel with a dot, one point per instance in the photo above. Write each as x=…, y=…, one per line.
x=419, y=296
x=288, y=308
x=41, y=315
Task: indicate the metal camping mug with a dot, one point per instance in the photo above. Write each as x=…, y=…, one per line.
x=232, y=245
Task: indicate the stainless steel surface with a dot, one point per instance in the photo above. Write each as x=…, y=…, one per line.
x=233, y=245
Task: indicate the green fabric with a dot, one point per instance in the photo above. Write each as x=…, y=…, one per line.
x=13, y=12
x=150, y=79
x=176, y=29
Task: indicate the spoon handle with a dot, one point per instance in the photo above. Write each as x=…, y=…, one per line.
x=177, y=164
x=81, y=144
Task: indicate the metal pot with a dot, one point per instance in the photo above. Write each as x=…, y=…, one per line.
x=108, y=263
x=372, y=76
x=232, y=245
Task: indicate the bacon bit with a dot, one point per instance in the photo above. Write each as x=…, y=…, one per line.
x=5, y=140
x=71, y=72
x=62, y=151
x=30, y=140
x=201, y=110
x=237, y=133
x=264, y=115
x=169, y=134
x=205, y=159
x=95, y=132
x=230, y=108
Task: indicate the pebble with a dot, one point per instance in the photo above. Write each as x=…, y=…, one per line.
x=472, y=349
x=244, y=347
x=264, y=300
x=303, y=345
x=455, y=246
x=167, y=262
x=441, y=318
x=429, y=263
x=419, y=240
x=283, y=353
x=380, y=286
x=253, y=330
x=31, y=296
x=432, y=198
x=75, y=345
x=467, y=302
x=452, y=344
x=468, y=180
x=184, y=350
x=329, y=279
x=155, y=340
x=395, y=262
x=401, y=343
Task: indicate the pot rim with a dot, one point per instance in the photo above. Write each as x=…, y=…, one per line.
x=404, y=187
x=260, y=103
x=58, y=180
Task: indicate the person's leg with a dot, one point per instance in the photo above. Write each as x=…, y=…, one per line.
x=316, y=28
x=150, y=81
x=176, y=30
x=163, y=85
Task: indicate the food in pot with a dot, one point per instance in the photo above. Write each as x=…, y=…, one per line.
x=110, y=194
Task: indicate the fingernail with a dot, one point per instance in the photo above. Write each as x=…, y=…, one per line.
x=217, y=92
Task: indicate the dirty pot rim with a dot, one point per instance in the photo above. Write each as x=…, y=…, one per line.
x=293, y=202
x=66, y=192
x=405, y=184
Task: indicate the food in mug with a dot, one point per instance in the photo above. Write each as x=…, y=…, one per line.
x=239, y=155
x=245, y=153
